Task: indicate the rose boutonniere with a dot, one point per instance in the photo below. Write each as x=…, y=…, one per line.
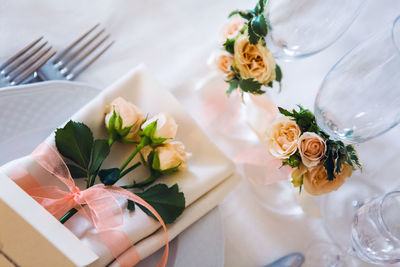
x=126, y=123
x=244, y=59
x=321, y=164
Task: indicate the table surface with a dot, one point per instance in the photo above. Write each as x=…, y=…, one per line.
x=174, y=38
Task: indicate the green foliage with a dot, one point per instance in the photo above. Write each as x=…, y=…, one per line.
x=336, y=155
x=75, y=142
x=229, y=45
x=293, y=161
x=109, y=176
x=233, y=85
x=148, y=134
x=304, y=118
x=247, y=15
x=251, y=86
x=168, y=202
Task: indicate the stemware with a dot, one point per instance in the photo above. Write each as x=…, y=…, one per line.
x=301, y=28
x=374, y=236
x=359, y=100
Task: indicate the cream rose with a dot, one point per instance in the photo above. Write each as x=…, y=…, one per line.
x=130, y=115
x=222, y=61
x=171, y=155
x=231, y=28
x=166, y=126
x=315, y=182
x=282, y=138
x=253, y=61
x=312, y=149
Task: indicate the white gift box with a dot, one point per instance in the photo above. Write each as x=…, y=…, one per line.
x=30, y=236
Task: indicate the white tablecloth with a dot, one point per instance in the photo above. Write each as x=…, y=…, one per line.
x=174, y=38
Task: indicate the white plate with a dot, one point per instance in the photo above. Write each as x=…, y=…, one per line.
x=29, y=113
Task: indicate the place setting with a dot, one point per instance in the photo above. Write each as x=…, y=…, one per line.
x=236, y=166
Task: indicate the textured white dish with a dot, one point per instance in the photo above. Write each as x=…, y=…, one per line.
x=31, y=112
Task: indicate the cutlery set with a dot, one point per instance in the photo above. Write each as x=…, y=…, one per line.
x=38, y=61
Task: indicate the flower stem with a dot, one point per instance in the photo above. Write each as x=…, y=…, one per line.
x=148, y=181
x=68, y=215
x=129, y=169
x=144, y=142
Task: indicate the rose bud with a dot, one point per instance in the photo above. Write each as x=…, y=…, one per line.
x=166, y=126
x=123, y=120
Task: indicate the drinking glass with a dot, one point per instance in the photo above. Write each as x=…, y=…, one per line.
x=375, y=231
x=301, y=28
x=375, y=236
x=358, y=100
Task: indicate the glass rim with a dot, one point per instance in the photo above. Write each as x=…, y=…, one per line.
x=395, y=22
x=381, y=217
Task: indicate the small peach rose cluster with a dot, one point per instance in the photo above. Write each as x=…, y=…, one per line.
x=244, y=59
x=154, y=137
x=322, y=164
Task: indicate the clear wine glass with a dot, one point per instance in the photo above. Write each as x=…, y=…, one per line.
x=301, y=28
x=359, y=99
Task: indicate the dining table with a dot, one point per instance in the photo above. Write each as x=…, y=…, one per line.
x=174, y=39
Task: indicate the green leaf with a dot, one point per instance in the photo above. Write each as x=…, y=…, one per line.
x=251, y=86
x=233, y=85
x=278, y=73
x=157, y=141
x=150, y=129
x=101, y=149
x=294, y=160
x=75, y=142
x=168, y=202
x=109, y=176
x=285, y=112
x=244, y=14
x=259, y=25
x=260, y=7
x=253, y=37
x=131, y=205
x=229, y=45
x=156, y=161
x=76, y=172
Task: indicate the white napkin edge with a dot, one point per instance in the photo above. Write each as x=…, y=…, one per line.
x=192, y=213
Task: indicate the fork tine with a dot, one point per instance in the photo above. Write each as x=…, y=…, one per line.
x=84, y=67
x=20, y=79
x=22, y=51
x=85, y=55
x=14, y=65
x=71, y=46
x=63, y=62
x=20, y=69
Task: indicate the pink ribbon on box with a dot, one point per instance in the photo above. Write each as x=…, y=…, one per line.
x=105, y=213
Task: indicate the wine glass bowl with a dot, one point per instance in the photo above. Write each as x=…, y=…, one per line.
x=301, y=28
x=359, y=98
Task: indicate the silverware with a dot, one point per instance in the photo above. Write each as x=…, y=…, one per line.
x=290, y=260
x=19, y=68
x=77, y=57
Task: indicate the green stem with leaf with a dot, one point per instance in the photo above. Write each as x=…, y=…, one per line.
x=143, y=142
x=144, y=183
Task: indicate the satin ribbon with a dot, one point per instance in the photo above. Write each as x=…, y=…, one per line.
x=98, y=203
x=217, y=104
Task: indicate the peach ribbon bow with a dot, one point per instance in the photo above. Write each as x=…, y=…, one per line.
x=105, y=213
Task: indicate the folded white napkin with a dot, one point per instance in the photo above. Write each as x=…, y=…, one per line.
x=205, y=183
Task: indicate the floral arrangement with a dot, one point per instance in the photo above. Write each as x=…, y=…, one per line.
x=244, y=59
x=322, y=164
x=154, y=139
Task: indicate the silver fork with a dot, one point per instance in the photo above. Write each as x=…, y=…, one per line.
x=19, y=68
x=77, y=57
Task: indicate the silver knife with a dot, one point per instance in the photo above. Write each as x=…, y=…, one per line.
x=290, y=260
